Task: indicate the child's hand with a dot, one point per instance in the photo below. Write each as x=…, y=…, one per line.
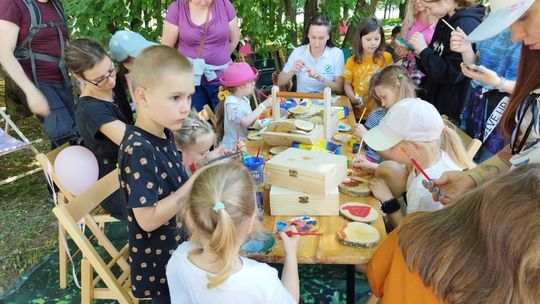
x=357, y=101
x=418, y=42
x=290, y=243
x=363, y=166
x=380, y=190
x=217, y=152
x=458, y=41
x=268, y=103
x=297, y=66
x=359, y=130
x=402, y=52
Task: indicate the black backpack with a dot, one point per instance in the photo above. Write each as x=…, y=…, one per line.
x=23, y=51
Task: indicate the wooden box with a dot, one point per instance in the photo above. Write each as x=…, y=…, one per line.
x=286, y=139
x=289, y=202
x=306, y=171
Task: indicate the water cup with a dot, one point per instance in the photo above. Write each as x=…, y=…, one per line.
x=255, y=167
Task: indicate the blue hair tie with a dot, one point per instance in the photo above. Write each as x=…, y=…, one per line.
x=218, y=205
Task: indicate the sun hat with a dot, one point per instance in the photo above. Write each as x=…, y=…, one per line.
x=238, y=73
x=503, y=14
x=124, y=44
x=411, y=119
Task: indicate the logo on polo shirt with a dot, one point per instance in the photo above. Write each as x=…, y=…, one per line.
x=328, y=69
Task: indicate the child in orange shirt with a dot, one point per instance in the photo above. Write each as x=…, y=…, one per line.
x=368, y=58
x=481, y=249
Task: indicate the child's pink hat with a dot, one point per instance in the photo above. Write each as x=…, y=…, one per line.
x=237, y=74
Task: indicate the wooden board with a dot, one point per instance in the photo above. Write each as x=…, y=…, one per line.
x=289, y=202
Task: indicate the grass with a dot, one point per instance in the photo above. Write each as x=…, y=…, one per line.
x=27, y=225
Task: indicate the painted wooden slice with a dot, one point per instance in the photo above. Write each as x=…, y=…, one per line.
x=254, y=136
x=284, y=126
x=342, y=138
x=277, y=150
x=258, y=243
x=343, y=127
x=304, y=125
x=360, y=235
x=359, y=212
x=298, y=110
x=355, y=187
x=304, y=223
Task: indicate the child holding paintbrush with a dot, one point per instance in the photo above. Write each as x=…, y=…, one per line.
x=418, y=145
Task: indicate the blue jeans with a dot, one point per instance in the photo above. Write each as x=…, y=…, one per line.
x=60, y=123
x=205, y=94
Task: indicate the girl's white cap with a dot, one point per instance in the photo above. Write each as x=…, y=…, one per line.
x=503, y=14
x=411, y=119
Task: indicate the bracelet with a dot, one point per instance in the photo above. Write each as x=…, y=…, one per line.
x=390, y=206
x=501, y=84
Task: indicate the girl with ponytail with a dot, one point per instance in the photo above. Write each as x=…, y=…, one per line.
x=220, y=213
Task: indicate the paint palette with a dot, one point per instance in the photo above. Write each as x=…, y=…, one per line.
x=258, y=243
x=355, y=186
x=359, y=212
x=304, y=223
x=359, y=235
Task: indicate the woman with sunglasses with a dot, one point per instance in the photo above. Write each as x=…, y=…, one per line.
x=100, y=122
x=521, y=119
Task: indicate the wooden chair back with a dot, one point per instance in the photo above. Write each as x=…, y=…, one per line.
x=207, y=114
x=114, y=273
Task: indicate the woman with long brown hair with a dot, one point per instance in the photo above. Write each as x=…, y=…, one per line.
x=521, y=120
x=485, y=248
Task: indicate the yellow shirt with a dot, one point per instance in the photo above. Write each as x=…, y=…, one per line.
x=361, y=73
x=391, y=280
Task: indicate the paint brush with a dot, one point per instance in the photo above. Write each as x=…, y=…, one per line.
x=416, y=164
x=258, y=151
x=362, y=115
x=448, y=24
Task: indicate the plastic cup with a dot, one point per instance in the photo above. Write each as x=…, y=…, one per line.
x=255, y=167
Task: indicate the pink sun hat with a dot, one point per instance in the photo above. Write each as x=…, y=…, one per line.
x=237, y=74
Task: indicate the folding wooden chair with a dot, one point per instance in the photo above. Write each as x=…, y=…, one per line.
x=64, y=196
x=10, y=144
x=99, y=256
x=207, y=114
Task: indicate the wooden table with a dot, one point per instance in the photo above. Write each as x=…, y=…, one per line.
x=323, y=249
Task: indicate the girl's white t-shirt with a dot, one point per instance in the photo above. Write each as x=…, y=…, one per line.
x=254, y=283
x=235, y=109
x=418, y=197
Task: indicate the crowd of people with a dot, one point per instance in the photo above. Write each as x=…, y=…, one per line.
x=469, y=234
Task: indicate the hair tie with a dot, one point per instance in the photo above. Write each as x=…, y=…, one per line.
x=223, y=93
x=218, y=205
x=400, y=76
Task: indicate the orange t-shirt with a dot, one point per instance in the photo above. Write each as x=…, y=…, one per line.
x=391, y=280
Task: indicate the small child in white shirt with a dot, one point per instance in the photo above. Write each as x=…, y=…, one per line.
x=234, y=112
x=220, y=213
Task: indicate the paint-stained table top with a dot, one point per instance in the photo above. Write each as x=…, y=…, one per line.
x=323, y=249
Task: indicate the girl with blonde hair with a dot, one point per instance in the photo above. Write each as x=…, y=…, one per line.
x=484, y=248
x=220, y=213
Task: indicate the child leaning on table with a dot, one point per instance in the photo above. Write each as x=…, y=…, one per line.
x=234, y=114
x=195, y=139
x=386, y=87
x=220, y=213
x=153, y=181
x=483, y=248
x=413, y=125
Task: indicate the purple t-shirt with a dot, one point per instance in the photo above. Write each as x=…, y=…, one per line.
x=46, y=41
x=216, y=49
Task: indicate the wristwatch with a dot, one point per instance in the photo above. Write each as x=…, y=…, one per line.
x=390, y=206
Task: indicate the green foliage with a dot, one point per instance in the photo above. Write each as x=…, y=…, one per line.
x=98, y=19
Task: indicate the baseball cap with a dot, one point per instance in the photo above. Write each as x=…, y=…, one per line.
x=411, y=119
x=503, y=14
x=124, y=44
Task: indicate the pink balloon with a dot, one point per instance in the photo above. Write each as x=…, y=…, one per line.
x=76, y=168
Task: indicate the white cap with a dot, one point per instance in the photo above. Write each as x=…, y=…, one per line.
x=124, y=44
x=503, y=14
x=410, y=119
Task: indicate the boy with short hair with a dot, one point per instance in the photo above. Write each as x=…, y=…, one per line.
x=152, y=177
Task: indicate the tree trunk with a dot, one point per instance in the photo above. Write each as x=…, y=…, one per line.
x=403, y=9
x=310, y=10
x=290, y=12
x=361, y=6
x=385, y=15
